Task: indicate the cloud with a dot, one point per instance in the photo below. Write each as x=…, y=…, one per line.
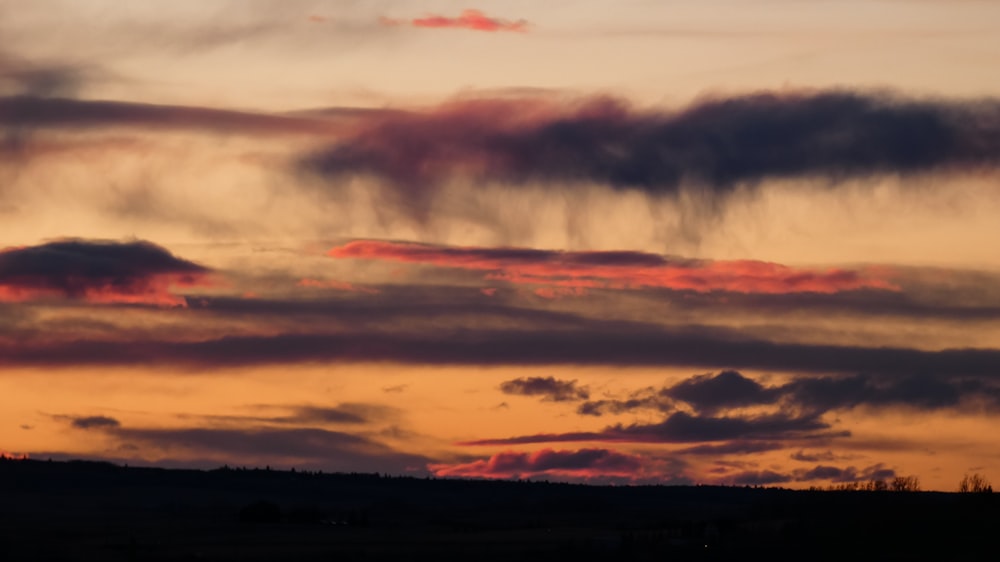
x=303, y=447
x=756, y=478
x=97, y=271
x=819, y=472
x=468, y=19
x=732, y=448
x=615, y=406
x=24, y=112
x=618, y=344
x=617, y=269
x=728, y=389
x=813, y=395
x=549, y=388
x=95, y=422
x=682, y=427
x=342, y=414
x=585, y=463
x=715, y=144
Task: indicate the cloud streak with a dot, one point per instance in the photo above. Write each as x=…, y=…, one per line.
x=618, y=269
x=582, y=463
x=474, y=20
x=622, y=347
x=22, y=112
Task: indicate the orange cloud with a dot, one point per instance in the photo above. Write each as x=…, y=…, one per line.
x=563, y=273
x=468, y=19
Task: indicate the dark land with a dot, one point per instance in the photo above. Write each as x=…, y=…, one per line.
x=98, y=511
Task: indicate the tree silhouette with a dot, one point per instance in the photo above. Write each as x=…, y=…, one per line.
x=905, y=484
x=975, y=484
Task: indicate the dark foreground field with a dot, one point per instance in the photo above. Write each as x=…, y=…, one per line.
x=96, y=511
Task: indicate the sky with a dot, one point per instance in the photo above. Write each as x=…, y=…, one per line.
x=737, y=242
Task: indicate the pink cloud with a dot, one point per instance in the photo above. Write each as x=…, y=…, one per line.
x=468, y=19
x=563, y=273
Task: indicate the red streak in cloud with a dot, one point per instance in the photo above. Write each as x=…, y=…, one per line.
x=583, y=463
x=152, y=290
x=574, y=272
x=468, y=19
x=333, y=284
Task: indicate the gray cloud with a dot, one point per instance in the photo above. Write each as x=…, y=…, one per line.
x=95, y=422
x=549, y=388
x=95, y=269
x=716, y=144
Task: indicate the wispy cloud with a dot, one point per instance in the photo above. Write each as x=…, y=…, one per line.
x=713, y=145
x=581, y=464
x=618, y=270
x=549, y=388
x=469, y=19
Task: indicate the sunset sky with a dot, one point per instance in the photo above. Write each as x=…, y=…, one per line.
x=717, y=241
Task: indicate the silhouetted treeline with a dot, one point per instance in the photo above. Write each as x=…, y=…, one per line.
x=99, y=511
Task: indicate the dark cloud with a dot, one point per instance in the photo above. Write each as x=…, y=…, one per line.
x=728, y=389
x=923, y=392
x=615, y=406
x=961, y=303
x=848, y=474
x=617, y=269
x=95, y=422
x=815, y=395
x=581, y=463
x=621, y=344
x=343, y=414
x=682, y=427
x=756, y=478
x=819, y=472
x=717, y=143
x=24, y=112
x=549, y=388
x=95, y=270
x=815, y=457
x=330, y=450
